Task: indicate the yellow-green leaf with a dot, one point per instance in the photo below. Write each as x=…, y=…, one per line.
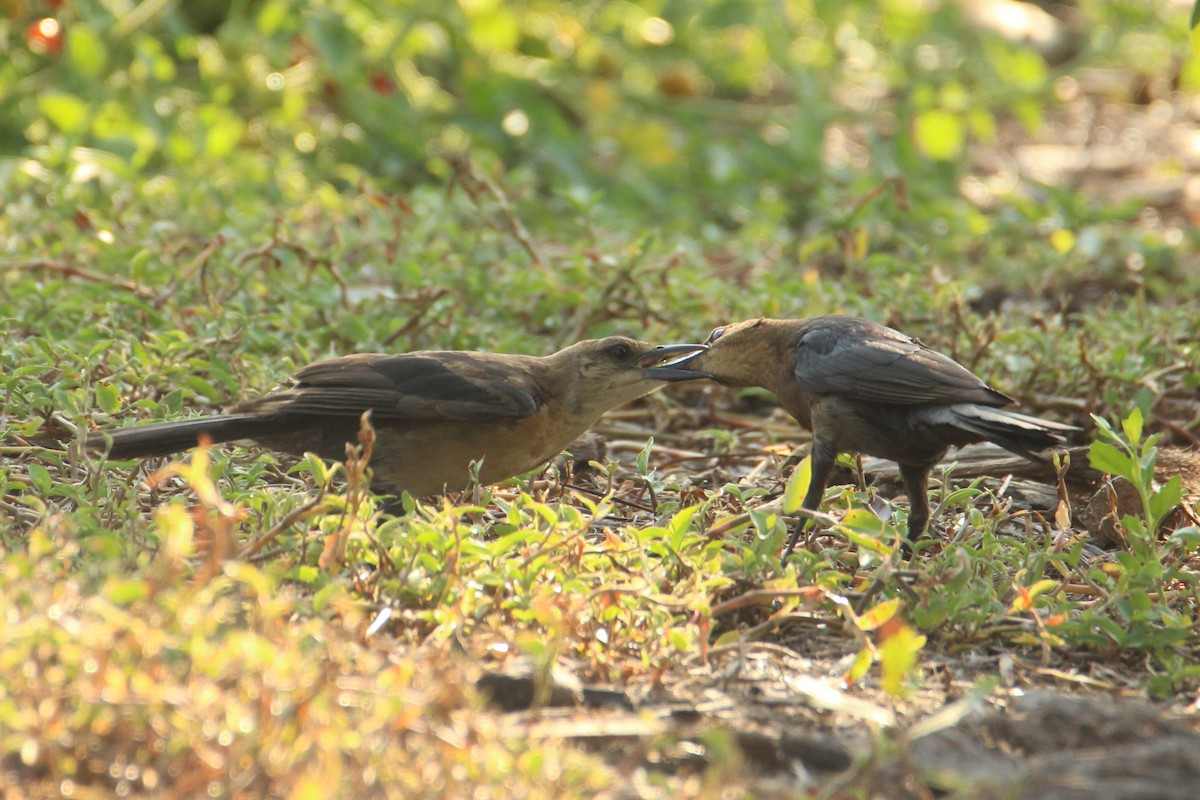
x=862, y=663
x=878, y=615
x=1042, y=586
x=1106, y=458
x=66, y=111
x=123, y=591
x=108, y=397
x=797, y=486
x=1132, y=425
x=1062, y=240
x=939, y=134
x=898, y=657
x=87, y=50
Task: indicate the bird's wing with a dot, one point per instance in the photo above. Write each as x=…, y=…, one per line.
x=871, y=362
x=411, y=387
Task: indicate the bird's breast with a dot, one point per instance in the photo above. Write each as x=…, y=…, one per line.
x=434, y=457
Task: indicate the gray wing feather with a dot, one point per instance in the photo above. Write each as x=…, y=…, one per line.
x=410, y=387
x=866, y=361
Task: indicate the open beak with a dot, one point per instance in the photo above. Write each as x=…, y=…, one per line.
x=665, y=362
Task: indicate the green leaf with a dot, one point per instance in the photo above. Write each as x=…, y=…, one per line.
x=797, y=486
x=728, y=638
x=869, y=543
x=860, y=520
x=224, y=131
x=1042, y=586
x=1103, y=426
x=100, y=347
x=306, y=573
x=108, y=397
x=682, y=520
x=878, y=615
x=643, y=458
x=173, y=401
x=124, y=591
x=1106, y=458
x=203, y=388
x=39, y=476
x=939, y=134
x=67, y=112
x=87, y=51
x=272, y=16
x=898, y=657
x=862, y=663
x=1163, y=501
x=1132, y=425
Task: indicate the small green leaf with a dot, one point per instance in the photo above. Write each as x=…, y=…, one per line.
x=39, y=476
x=643, y=459
x=173, y=401
x=203, y=388
x=727, y=638
x=1132, y=425
x=869, y=543
x=898, y=658
x=124, y=591
x=1164, y=501
x=67, y=112
x=272, y=16
x=682, y=519
x=1106, y=458
x=878, y=615
x=797, y=486
x=1103, y=426
x=307, y=574
x=939, y=134
x=87, y=51
x=1042, y=586
x=108, y=397
x=102, y=346
x=862, y=663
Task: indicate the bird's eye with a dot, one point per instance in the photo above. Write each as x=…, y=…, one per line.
x=716, y=334
x=620, y=351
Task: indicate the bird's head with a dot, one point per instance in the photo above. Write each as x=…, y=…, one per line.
x=610, y=371
x=744, y=353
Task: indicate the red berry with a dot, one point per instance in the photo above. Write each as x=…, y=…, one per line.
x=44, y=37
x=382, y=84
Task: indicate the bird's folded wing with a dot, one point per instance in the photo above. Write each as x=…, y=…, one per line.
x=887, y=370
x=410, y=387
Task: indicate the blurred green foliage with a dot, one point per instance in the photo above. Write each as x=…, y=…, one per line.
x=707, y=109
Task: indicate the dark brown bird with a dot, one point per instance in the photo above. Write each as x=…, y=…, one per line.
x=434, y=412
x=862, y=387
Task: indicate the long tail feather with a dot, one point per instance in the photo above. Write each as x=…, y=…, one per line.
x=165, y=438
x=1018, y=433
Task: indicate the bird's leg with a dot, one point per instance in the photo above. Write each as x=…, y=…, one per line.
x=822, y=465
x=916, y=483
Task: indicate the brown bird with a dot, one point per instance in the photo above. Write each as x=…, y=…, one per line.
x=862, y=387
x=434, y=412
